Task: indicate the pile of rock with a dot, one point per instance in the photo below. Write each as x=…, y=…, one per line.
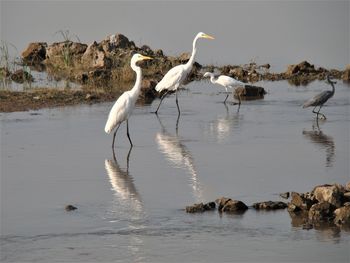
x=325, y=204
x=100, y=64
x=228, y=205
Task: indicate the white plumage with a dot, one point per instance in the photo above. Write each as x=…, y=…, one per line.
x=225, y=81
x=125, y=104
x=175, y=77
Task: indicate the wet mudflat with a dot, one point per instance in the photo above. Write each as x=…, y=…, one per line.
x=133, y=211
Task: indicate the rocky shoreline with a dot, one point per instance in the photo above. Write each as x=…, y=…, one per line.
x=105, y=66
x=325, y=206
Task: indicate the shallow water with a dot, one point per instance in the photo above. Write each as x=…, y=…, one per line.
x=132, y=211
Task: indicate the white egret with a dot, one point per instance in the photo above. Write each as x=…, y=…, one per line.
x=125, y=104
x=177, y=75
x=321, y=99
x=226, y=82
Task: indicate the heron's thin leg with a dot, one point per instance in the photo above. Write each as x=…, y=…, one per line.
x=127, y=132
x=226, y=98
x=114, y=136
x=177, y=104
x=161, y=99
x=320, y=113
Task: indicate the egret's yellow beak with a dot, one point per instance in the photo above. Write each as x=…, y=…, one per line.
x=145, y=57
x=208, y=37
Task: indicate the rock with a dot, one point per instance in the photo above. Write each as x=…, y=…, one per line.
x=269, y=205
x=147, y=50
x=238, y=72
x=95, y=57
x=122, y=41
x=347, y=186
x=321, y=212
x=4, y=72
x=300, y=202
x=302, y=67
x=21, y=76
x=57, y=49
x=342, y=215
x=332, y=194
x=346, y=74
x=250, y=92
x=70, y=208
x=159, y=53
x=308, y=226
x=148, y=91
x=229, y=205
x=346, y=197
x=34, y=53
x=285, y=195
x=200, y=208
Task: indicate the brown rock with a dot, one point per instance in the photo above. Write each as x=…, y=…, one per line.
x=250, y=92
x=269, y=205
x=34, y=53
x=346, y=73
x=200, y=208
x=95, y=57
x=342, y=215
x=332, y=194
x=21, y=76
x=321, y=212
x=300, y=202
x=229, y=205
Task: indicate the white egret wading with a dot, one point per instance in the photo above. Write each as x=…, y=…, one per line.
x=321, y=98
x=177, y=75
x=226, y=82
x=125, y=104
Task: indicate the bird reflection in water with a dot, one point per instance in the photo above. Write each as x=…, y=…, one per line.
x=178, y=154
x=326, y=142
x=127, y=205
x=123, y=184
x=223, y=125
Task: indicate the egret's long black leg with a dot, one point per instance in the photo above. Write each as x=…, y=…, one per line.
x=127, y=132
x=127, y=160
x=177, y=104
x=161, y=99
x=115, y=133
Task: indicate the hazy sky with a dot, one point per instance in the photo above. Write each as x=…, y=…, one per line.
x=278, y=32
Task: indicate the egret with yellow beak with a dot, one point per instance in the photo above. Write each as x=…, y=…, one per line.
x=125, y=104
x=177, y=75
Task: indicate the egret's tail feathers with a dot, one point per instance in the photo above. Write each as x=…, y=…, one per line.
x=158, y=88
x=108, y=128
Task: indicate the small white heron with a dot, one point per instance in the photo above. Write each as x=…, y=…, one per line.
x=226, y=82
x=321, y=98
x=177, y=75
x=125, y=104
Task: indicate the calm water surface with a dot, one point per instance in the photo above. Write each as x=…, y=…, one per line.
x=131, y=209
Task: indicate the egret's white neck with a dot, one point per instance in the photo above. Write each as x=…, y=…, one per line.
x=190, y=62
x=212, y=78
x=137, y=86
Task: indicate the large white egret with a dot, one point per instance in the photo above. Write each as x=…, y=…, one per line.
x=177, y=75
x=125, y=104
x=226, y=82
